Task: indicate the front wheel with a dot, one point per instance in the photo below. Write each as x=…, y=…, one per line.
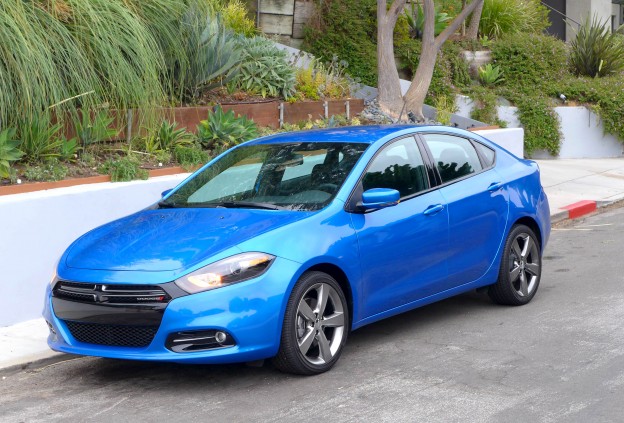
x=315, y=326
x=520, y=270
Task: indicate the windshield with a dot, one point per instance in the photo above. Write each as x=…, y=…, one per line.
x=294, y=176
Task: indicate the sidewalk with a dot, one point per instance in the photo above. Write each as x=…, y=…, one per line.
x=583, y=183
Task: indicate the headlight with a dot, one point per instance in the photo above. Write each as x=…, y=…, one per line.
x=226, y=272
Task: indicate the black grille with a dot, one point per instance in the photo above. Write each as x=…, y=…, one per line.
x=111, y=294
x=112, y=335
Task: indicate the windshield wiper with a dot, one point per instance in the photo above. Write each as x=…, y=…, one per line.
x=250, y=205
x=166, y=205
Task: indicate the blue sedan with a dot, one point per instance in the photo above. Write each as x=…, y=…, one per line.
x=281, y=246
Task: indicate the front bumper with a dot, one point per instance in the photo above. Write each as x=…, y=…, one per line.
x=251, y=312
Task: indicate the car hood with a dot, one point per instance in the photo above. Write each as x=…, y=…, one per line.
x=171, y=239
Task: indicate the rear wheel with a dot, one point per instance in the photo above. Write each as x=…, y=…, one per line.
x=315, y=326
x=520, y=270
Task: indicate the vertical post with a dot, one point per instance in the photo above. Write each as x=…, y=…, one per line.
x=281, y=114
x=326, y=109
x=129, y=126
x=348, y=109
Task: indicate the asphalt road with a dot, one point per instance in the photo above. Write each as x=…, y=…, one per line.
x=560, y=358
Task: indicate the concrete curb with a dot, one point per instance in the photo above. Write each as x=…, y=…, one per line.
x=582, y=208
x=34, y=361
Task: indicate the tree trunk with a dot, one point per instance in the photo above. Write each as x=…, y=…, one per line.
x=475, y=19
x=388, y=85
x=415, y=96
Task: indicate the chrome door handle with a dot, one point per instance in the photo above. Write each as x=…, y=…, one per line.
x=431, y=210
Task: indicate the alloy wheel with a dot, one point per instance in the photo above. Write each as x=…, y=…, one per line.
x=524, y=265
x=320, y=323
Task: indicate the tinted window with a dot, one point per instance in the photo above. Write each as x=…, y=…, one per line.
x=398, y=166
x=455, y=157
x=487, y=153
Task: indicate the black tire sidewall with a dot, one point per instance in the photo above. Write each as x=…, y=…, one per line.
x=289, y=338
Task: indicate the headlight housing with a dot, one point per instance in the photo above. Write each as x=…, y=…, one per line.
x=231, y=270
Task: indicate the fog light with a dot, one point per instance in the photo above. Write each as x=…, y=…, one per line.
x=200, y=340
x=220, y=337
x=52, y=331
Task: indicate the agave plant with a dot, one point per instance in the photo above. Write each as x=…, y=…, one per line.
x=225, y=129
x=596, y=51
x=490, y=75
x=9, y=151
x=416, y=20
x=213, y=53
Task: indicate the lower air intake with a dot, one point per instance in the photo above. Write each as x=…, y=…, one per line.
x=112, y=335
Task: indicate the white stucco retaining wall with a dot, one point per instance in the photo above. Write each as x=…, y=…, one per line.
x=582, y=131
x=36, y=227
x=511, y=139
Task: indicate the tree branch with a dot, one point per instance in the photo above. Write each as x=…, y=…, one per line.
x=453, y=26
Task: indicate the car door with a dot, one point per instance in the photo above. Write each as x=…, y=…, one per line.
x=403, y=248
x=477, y=204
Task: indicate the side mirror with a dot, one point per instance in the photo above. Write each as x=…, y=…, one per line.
x=165, y=192
x=379, y=198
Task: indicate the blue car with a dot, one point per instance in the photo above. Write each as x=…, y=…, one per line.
x=281, y=246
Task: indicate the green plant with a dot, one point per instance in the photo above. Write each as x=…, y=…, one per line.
x=236, y=17
x=38, y=138
x=445, y=107
x=416, y=20
x=213, y=53
x=531, y=62
x=225, y=129
x=9, y=151
x=124, y=169
x=68, y=149
x=78, y=53
x=264, y=69
x=596, y=51
x=490, y=75
x=346, y=29
x=190, y=157
x=485, y=41
x=502, y=17
x=323, y=81
x=94, y=127
x=51, y=170
x=169, y=137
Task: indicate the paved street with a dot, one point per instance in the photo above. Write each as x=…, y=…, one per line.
x=561, y=358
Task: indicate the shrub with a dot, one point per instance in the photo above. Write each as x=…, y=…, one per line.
x=346, y=29
x=94, y=127
x=190, y=157
x=52, y=170
x=124, y=169
x=449, y=73
x=596, y=51
x=264, y=69
x=39, y=138
x=236, y=17
x=165, y=139
x=323, y=81
x=9, y=151
x=501, y=17
x=225, y=129
x=68, y=149
x=530, y=62
x=213, y=53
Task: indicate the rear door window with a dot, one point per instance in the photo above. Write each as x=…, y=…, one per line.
x=455, y=157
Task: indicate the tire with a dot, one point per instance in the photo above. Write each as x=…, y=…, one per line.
x=520, y=270
x=314, y=333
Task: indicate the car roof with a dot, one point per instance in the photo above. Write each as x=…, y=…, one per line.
x=356, y=134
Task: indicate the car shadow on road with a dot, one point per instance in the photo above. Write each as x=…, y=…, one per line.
x=170, y=376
